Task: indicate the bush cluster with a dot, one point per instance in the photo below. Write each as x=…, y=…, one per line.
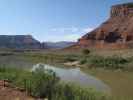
x=42, y=83
x=113, y=62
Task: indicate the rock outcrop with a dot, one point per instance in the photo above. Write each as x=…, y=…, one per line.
x=116, y=32
x=19, y=42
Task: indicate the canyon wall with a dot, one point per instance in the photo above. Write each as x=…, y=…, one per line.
x=19, y=42
x=116, y=32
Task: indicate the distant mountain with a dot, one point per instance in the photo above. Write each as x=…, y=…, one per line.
x=19, y=42
x=28, y=42
x=58, y=45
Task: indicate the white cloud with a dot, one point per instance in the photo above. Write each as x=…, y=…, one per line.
x=65, y=29
x=72, y=30
x=72, y=37
x=85, y=30
x=67, y=33
x=66, y=37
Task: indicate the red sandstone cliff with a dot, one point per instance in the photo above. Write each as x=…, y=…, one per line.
x=116, y=32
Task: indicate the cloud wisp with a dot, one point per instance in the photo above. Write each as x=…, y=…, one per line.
x=68, y=33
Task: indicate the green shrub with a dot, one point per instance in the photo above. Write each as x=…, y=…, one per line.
x=72, y=92
x=42, y=83
x=83, y=61
x=39, y=83
x=70, y=58
x=86, y=51
x=108, y=62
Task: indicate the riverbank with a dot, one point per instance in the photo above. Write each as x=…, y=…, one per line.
x=9, y=93
x=116, y=78
x=42, y=83
x=112, y=67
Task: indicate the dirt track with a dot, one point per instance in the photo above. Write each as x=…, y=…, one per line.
x=8, y=93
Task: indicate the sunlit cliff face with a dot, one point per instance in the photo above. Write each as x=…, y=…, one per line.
x=117, y=30
x=122, y=10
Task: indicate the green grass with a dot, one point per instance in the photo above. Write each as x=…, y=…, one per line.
x=50, y=57
x=108, y=62
x=91, y=60
x=120, y=81
x=42, y=83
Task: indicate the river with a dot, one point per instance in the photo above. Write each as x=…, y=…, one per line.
x=76, y=76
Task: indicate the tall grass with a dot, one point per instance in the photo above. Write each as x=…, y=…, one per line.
x=95, y=61
x=42, y=83
x=113, y=62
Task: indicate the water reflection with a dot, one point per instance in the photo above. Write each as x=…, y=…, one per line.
x=75, y=75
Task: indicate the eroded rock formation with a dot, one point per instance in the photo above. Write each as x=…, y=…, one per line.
x=19, y=42
x=116, y=32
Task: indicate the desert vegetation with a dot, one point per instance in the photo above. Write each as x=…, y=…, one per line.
x=87, y=58
x=110, y=63
x=41, y=83
x=113, y=62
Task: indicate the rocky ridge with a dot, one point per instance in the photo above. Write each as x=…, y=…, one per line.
x=116, y=32
x=20, y=42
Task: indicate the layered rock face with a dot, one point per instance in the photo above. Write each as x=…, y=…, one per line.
x=19, y=42
x=116, y=32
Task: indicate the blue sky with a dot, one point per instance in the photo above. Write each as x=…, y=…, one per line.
x=53, y=20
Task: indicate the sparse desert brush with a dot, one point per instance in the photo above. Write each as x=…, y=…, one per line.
x=42, y=83
x=113, y=62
